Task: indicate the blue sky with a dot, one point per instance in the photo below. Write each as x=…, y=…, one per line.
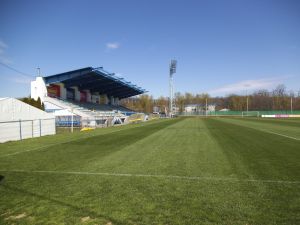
x=222, y=47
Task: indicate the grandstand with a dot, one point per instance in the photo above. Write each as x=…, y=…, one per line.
x=90, y=95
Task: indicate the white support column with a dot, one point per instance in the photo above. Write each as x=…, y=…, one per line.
x=116, y=100
x=63, y=91
x=111, y=100
x=95, y=97
x=104, y=99
x=88, y=96
x=98, y=98
x=77, y=94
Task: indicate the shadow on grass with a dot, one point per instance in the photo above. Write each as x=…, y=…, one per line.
x=80, y=210
x=1, y=178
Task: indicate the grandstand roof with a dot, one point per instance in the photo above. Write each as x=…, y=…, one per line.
x=96, y=80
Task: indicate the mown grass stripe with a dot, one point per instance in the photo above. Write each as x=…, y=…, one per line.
x=222, y=179
x=194, y=171
x=70, y=141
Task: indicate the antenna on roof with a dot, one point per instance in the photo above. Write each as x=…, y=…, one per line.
x=38, y=71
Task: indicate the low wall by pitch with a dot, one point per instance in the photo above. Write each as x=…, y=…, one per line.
x=281, y=116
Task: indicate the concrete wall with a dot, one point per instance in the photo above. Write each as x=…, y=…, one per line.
x=38, y=89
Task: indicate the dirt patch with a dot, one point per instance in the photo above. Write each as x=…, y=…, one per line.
x=3, y=214
x=109, y=223
x=17, y=217
x=85, y=219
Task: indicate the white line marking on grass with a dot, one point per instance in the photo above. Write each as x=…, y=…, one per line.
x=267, y=131
x=282, y=135
x=222, y=179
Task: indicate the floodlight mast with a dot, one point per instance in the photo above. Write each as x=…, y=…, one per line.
x=173, y=66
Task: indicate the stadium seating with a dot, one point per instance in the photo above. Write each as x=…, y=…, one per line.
x=88, y=109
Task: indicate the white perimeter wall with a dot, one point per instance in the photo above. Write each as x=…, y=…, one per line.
x=19, y=130
x=19, y=120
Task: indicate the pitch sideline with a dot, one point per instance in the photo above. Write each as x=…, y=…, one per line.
x=221, y=179
x=266, y=131
x=282, y=135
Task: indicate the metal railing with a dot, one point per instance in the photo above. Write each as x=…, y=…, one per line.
x=238, y=113
x=22, y=129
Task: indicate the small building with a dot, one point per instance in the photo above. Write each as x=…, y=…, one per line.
x=199, y=108
x=224, y=110
x=19, y=120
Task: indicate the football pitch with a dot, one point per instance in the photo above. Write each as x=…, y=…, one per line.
x=172, y=171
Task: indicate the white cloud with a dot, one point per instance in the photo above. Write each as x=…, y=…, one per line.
x=249, y=85
x=112, y=45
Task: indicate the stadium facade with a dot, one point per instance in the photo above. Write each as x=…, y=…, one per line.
x=90, y=94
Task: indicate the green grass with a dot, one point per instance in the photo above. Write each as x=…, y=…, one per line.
x=179, y=171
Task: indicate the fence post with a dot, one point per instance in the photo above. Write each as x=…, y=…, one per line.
x=40, y=128
x=20, y=126
x=72, y=122
x=55, y=125
x=32, y=127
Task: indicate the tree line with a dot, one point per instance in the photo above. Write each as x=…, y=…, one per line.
x=261, y=100
x=35, y=103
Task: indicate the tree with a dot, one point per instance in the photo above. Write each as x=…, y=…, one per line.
x=35, y=103
x=162, y=103
x=146, y=103
x=279, y=98
x=180, y=101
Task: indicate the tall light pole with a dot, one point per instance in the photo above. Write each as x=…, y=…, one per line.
x=247, y=98
x=173, y=65
x=247, y=104
x=72, y=120
x=291, y=104
x=206, y=106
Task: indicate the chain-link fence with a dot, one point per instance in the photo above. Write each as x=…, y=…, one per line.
x=22, y=129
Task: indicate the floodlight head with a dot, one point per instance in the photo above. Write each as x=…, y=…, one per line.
x=173, y=65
